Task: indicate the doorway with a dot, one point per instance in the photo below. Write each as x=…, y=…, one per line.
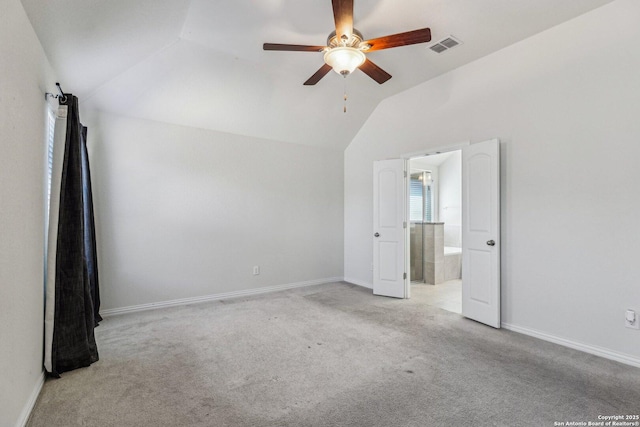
x=435, y=229
x=480, y=213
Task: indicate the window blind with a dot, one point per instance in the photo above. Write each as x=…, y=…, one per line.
x=427, y=204
x=415, y=200
x=50, y=139
x=420, y=198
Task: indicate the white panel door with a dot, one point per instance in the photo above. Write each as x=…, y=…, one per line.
x=388, y=228
x=481, y=232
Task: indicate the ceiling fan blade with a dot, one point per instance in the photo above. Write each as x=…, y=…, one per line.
x=318, y=75
x=343, y=15
x=402, y=39
x=292, y=47
x=375, y=72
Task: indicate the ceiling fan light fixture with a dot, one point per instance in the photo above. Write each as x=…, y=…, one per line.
x=344, y=59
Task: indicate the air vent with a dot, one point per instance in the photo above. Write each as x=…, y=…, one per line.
x=445, y=44
x=438, y=48
x=449, y=42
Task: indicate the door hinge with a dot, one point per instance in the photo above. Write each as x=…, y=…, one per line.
x=405, y=174
x=404, y=224
x=404, y=276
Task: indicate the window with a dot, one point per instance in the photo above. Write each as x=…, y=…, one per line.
x=51, y=123
x=415, y=199
x=49, y=138
x=420, y=197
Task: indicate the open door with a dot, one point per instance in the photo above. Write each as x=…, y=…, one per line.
x=389, y=255
x=481, y=232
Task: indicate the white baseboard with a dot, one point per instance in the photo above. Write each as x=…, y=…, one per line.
x=591, y=349
x=28, y=407
x=215, y=297
x=359, y=283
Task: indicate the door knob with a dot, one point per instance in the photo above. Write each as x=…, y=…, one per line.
x=491, y=242
x=377, y=235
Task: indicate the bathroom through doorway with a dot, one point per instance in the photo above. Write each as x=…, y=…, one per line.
x=435, y=234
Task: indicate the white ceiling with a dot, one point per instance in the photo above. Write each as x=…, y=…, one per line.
x=428, y=161
x=200, y=62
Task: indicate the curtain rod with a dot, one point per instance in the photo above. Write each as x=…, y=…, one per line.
x=61, y=96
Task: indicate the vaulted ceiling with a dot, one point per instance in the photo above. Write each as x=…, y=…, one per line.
x=200, y=63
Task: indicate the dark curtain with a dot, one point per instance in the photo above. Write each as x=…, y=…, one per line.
x=77, y=294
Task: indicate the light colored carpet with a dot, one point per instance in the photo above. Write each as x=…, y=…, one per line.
x=329, y=355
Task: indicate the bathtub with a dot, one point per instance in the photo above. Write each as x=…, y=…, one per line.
x=452, y=263
x=452, y=250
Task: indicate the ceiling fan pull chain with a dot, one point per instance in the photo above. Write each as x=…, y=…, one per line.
x=345, y=94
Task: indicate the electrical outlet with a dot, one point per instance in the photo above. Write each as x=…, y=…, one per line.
x=631, y=320
x=256, y=270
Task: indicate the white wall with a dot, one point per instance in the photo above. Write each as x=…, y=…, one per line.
x=184, y=212
x=450, y=199
x=24, y=70
x=560, y=102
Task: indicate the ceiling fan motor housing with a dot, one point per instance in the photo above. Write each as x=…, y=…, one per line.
x=353, y=41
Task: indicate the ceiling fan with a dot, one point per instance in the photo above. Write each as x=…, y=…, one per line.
x=346, y=47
